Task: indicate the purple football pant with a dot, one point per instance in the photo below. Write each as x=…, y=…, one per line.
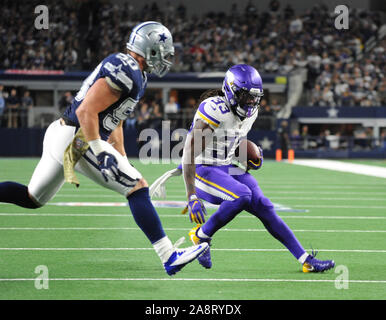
x=235, y=191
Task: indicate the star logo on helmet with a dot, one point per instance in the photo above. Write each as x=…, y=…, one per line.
x=162, y=37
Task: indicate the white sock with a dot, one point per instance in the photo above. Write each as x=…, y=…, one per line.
x=303, y=257
x=164, y=248
x=201, y=234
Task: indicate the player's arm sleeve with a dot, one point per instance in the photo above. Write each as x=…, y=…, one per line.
x=207, y=113
x=117, y=75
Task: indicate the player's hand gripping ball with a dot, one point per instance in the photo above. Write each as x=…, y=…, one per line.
x=249, y=154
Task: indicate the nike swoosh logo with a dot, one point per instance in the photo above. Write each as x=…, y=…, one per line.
x=187, y=257
x=309, y=267
x=198, y=248
x=194, y=204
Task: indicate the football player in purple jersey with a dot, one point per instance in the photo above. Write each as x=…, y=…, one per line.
x=209, y=173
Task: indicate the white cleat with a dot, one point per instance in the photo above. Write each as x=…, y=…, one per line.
x=181, y=257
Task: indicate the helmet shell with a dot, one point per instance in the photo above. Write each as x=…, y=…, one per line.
x=154, y=42
x=242, y=77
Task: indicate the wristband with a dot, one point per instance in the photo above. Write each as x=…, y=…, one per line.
x=193, y=197
x=96, y=146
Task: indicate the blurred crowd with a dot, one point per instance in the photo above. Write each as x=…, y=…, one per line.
x=351, y=83
x=15, y=107
x=336, y=137
x=275, y=40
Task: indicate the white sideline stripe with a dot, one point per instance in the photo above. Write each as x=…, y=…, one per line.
x=363, y=169
x=182, y=216
x=328, y=199
x=74, y=195
x=305, y=183
x=213, y=249
x=265, y=187
x=336, y=206
x=199, y=279
x=159, y=204
x=308, y=186
x=181, y=229
x=327, y=192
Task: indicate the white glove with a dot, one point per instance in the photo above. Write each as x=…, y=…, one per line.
x=158, y=189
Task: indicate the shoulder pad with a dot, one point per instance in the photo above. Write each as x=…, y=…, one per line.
x=213, y=111
x=122, y=71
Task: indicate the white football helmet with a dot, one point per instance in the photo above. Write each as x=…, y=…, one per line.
x=154, y=42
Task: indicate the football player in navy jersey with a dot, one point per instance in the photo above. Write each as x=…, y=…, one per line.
x=88, y=139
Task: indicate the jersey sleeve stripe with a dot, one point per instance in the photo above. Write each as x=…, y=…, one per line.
x=201, y=109
x=208, y=120
x=125, y=80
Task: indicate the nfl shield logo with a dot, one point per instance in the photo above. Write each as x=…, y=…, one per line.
x=78, y=144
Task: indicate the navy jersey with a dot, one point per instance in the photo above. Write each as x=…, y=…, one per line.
x=122, y=73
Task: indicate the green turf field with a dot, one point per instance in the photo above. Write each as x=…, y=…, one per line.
x=99, y=253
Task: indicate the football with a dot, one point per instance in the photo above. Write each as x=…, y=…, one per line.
x=249, y=154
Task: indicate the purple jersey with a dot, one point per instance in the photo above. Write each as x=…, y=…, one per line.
x=122, y=73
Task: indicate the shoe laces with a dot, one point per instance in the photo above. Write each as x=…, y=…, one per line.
x=313, y=252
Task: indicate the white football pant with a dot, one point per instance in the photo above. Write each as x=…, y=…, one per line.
x=48, y=176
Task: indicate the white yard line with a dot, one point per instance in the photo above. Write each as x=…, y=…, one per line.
x=335, y=192
x=172, y=229
x=212, y=249
x=76, y=195
x=329, y=199
x=363, y=169
x=336, y=206
x=316, y=188
x=202, y=279
x=128, y=215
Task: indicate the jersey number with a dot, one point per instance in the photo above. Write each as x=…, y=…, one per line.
x=230, y=142
x=127, y=60
x=111, y=121
x=87, y=84
x=221, y=106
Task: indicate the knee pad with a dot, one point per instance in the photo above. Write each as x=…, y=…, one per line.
x=34, y=204
x=260, y=206
x=265, y=204
x=245, y=198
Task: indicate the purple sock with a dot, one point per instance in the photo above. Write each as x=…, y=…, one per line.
x=16, y=193
x=264, y=210
x=261, y=207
